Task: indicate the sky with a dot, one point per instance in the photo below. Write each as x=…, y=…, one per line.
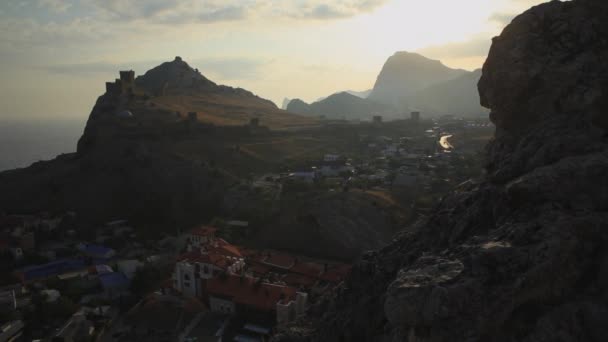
x=56, y=55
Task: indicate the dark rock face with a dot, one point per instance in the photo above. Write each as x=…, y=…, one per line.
x=521, y=255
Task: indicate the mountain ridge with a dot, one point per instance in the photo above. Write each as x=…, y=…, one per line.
x=342, y=105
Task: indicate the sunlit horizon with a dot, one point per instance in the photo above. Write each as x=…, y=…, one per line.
x=58, y=54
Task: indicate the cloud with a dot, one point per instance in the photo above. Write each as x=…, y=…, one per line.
x=502, y=19
x=228, y=68
x=57, y=6
x=477, y=46
x=81, y=68
x=232, y=68
x=208, y=11
x=336, y=10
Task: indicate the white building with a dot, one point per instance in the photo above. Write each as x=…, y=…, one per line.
x=129, y=267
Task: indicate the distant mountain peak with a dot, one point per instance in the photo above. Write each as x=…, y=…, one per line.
x=405, y=73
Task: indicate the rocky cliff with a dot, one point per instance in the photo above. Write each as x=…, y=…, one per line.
x=521, y=255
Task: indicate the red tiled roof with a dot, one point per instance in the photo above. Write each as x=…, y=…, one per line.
x=285, y=261
x=246, y=291
x=259, y=269
x=310, y=269
x=225, y=248
x=203, y=231
x=336, y=273
x=213, y=259
x=297, y=280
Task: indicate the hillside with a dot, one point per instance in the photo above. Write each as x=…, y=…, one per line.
x=522, y=253
x=406, y=73
x=177, y=87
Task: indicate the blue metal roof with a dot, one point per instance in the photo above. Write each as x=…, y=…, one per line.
x=96, y=251
x=113, y=280
x=52, y=269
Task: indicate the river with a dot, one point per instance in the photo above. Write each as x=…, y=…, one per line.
x=445, y=143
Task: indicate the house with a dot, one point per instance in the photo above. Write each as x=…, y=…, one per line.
x=331, y=157
x=162, y=317
x=252, y=297
x=51, y=269
x=96, y=251
x=333, y=165
x=304, y=176
x=200, y=236
x=77, y=328
x=11, y=331
x=129, y=267
x=237, y=224
x=50, y=295
x=8, y=301
x=194, y=268
x=279, y=260
x=221, y=247
x=16, y=253
x=114, y=284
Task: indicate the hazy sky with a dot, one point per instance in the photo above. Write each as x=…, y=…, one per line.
x=56, y=54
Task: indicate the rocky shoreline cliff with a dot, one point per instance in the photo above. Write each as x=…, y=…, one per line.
x=520, y=255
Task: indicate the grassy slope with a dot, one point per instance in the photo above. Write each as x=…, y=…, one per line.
x=225, y=110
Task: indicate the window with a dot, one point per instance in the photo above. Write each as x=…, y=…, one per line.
x=205, y=269
x=186, y=284
x=186, y=276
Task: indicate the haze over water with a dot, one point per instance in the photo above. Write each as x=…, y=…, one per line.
x=25, y=142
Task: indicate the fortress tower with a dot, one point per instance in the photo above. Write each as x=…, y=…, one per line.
x=415, y=117
x=127, y=80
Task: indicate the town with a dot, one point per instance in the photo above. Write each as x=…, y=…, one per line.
x=64, y=283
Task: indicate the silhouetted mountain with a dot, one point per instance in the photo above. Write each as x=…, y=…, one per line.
x=457, y=96
x=406, y=73
x=298, y=106
x=339, y=106
x=285, y=103
x=362, y=94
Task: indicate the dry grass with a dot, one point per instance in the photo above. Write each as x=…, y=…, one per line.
x=229, y=110
x=384, y=196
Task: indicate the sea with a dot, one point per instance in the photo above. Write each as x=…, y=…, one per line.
x=23, y=142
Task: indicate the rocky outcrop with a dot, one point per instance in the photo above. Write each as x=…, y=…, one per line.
x=521, y=255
